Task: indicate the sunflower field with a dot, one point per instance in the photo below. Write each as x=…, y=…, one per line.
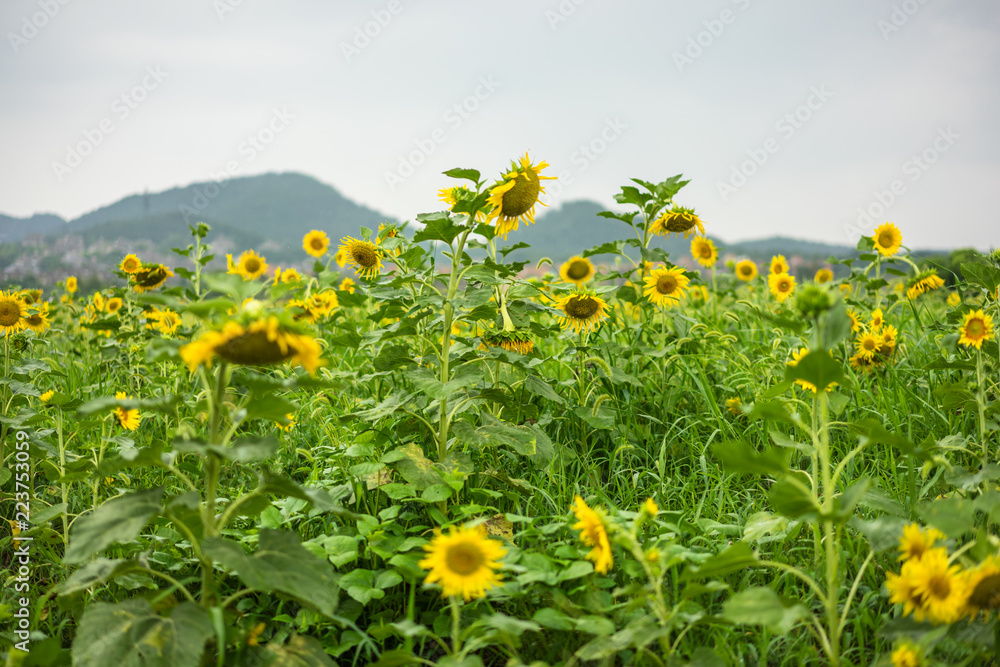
x=411, y=454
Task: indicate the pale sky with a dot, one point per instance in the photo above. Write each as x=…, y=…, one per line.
x=787, y=116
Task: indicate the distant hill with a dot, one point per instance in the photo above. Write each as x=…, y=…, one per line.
x=13, y=230
x=788, y=246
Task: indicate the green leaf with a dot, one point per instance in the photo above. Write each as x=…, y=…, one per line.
x=280, y=564
x=552, y=618
x=739, y=456
x=467, y=174
x=736, y=557
x=539, y=387
x=981, y=274
x=298, y=652
x=131, y=634
x=95, y=573
x=435, y=493
x=762, y=606
x=162, y=404
x=416, y=468
x=120, y=519
x=509, y=625
x=360, y=585
x=792, y=497
x=437, y=227
x=835, y=325
x=844, y=504
x=817, y=367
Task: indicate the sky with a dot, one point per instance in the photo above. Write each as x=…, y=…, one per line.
x=816, y=120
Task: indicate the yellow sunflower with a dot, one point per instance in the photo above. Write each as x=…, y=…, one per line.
x=346, y=285
x=746, y=270
x=861, y=362
x=823, y=276
x=855, y=321
x=165, y=321
x=316, y=243
x=261, y=343
x=593, y=533
x=38, y=319
x=704, y=252
x=464, y=561
x=907, y=654
x=923, y=282
x=130, y=264
x=678, y=220
x=781, y=285
x=943, y=588
x=916, y=541
x=877, y=320
x=887, y=239
x=71, y=284
x=984, y=587
x=577, y=270
x=364, y=257
x=250, y=265
x=779, y=265
x=583, y=310
x=30, y=296
x=978, y=326
x=888, y=335
x=512, y=341
x=734, y=406
x=47, y=396
x=954, y=298
x=150, y=277
x=324, y=302
x=664, y=287
x=902, y=589
x=113, y=306
x=514, y=198
x=288, y=275
x=867, y=344
x=460, y=193
x=12, y=312
x=127, y=419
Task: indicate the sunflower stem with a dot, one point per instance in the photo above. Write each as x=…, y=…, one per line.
x=449, y=314
x=981, y=403
x=456, y=626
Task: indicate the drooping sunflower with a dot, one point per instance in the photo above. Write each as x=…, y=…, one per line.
x=364, y=257
x=823, y=276
x=781, y=285
x=944, y=588
x=584, y=311
x=513, y=341
x=867, y=344
x=71, y=284
x=678, y=220
x=12, y=312
x=514, y=197
x=664, y=287
x=127, y=419
x=916, y=541
x=923, y=282
x=704, y=252
x=464, y=561
x=977, y=327
x=887, y=239
x=593, y=533
x=577, y=270
x=30, y=296
x=37, y=318
x=746, y=270
x=149, y=277
x=130, y=264
x=316, y=243
x=779, y=265
x=261, y=343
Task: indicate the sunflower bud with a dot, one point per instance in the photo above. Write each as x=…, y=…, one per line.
x=813, y=301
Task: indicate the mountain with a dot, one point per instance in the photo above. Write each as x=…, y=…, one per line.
x=13, y=230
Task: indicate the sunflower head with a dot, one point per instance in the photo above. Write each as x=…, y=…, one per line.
x=37, y=318
x=813, y=301
x=262, y=342
x=127, y=419
x=984, y=587
x=779, y=264
x=577, y=270
x=887, y=239
x=977, y=327
x=464, y=562
x=130, y=264
x=593, y=533
x=907, y=654
x=346, y=285
x=113, y=305
x=704, y=252
x=364, y=257
x=678, y=220
x=514, y=197
x=12, y=313
x=249, y=266
x=867, y=344
x=316, y=243
x=746, y=270
x=954, y=299
x=735, y=406
x=823, y=276
x=583, y=311
x=925, y=281
x=781, y=285
x=149, y=277
x=916, y=541
x=665, y=286
x=513, y=341
x=31, y=296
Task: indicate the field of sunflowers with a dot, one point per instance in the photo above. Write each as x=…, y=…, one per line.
x=412, y=455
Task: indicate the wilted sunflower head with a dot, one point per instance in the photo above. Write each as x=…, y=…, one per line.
x=704, y=252
x=364, y=257
x=149, y=277
x=925, y=281
x=12, y=312
x=746, y=270
x=30, y=296
x=577, y=270
x=316, y=243
x=582, y=311
x=887, y=239
x=514, y=197
x=513, y=341
x=130, y=264
x=678, y=220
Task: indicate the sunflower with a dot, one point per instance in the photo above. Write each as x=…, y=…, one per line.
x=165, y=321
x=30, y=296
x=512, y=341
x=978, y=326
x=113, y=306
x=130, y=264
x=324, y=302
x=704, y=252
x=781, y=285
x=127, y=419
x=341, y=257
x=593, y=533
x=888, y=335
x=584, y=311
x=925, y=281
x=649, y=507
x=916, y=541
x=779, y=265
x=877, y=320
x=746, y=270
x=316, y=243
x=944, y=589
x=71, y=284
x=346, y=285
x=664, y=286
x=249, y=266
x=907, y=654
x=887, y=239
x=862, y=363
x=364, y=256
x=823, y=276
x=734, y=406
x=47, y=396
x=464, y=562
x=288, y=275
x=954, y=298
x=984, y=587
x=577, y=270
x=38, y=319
x=12, y=313
x=150, y=277
x=678, y=220
x=902, y=589
x=261, y=343
x=855, y=321
x=867, y=344
x=514, y=198
x=309, y=312
x=459, y=193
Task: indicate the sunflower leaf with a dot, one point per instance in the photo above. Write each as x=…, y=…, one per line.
x=467, y=174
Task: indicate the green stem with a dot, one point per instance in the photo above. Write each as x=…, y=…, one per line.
x=449, y=313
x=456, y=626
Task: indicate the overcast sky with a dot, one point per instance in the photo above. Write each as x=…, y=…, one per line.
x=789, y=117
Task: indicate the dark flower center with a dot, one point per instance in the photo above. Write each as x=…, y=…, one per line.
x=582, y=308
x=519, y=199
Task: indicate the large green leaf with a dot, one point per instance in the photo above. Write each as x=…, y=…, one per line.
x=280, y=564
x=739, y=456
x=792, y=497
x=981, y=274
x=817, y=367
x=98, y=571
x=298, y=652
x=120, y=519
x=737, y=557
x=762, y=606
x=131, y=634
